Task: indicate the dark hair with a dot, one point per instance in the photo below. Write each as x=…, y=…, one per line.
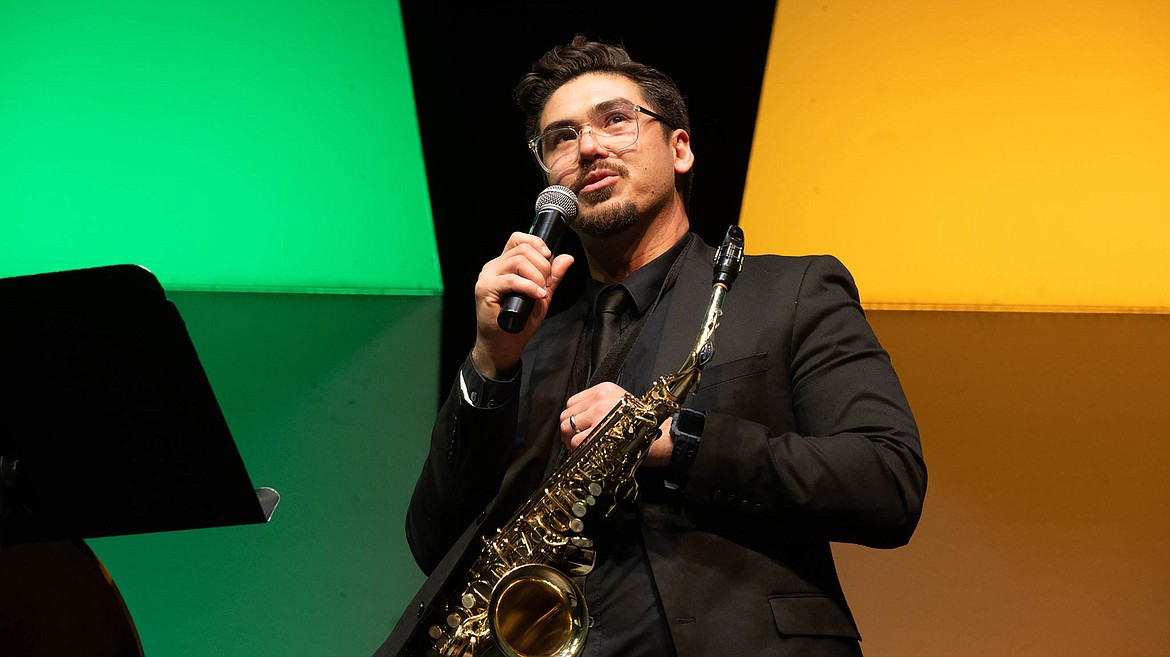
x=565, y=63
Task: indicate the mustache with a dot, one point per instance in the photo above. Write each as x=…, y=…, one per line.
x=583, y=173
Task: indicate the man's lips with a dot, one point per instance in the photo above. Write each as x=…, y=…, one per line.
x=598, y=179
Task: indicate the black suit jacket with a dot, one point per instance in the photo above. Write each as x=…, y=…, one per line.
x=808, y=439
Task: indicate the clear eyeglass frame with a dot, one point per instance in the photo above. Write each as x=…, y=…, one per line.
x=598, y=128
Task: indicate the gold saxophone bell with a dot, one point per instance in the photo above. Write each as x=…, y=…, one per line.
x=536, y=611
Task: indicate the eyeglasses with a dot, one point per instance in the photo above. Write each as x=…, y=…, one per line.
x=616, y=127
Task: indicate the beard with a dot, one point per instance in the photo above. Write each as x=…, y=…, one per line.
x=602, y=222
x=598, y=220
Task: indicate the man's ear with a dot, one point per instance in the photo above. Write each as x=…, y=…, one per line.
x=684, y=157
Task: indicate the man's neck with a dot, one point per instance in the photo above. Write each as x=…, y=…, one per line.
x=612, y=259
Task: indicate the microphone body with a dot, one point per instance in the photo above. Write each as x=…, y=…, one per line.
x=555, y=206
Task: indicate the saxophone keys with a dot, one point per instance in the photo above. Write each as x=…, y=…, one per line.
x=594, y=488
x=579, y=509
x=576, y=525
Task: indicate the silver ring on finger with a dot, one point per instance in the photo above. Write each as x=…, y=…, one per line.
x=574, y=425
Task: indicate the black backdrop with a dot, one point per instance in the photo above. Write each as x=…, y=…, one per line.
x=465, y=59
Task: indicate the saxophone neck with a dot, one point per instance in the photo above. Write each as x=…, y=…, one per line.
x=727, y=263
x=675, y=387
x=680, y=384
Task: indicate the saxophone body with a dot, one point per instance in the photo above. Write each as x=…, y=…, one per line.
x=518, y=595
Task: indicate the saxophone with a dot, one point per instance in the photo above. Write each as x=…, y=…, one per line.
x=518, y=594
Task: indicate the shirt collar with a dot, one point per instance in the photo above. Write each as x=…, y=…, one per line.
x=645, y=283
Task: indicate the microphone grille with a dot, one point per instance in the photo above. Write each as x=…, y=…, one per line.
x=559, y=197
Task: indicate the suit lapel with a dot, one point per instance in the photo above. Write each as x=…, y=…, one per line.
x=684, y=312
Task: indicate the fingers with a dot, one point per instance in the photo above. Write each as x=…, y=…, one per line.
x=524, y=267
x=605, y=393
x=585, y=410
x=517, y=238
x=560, y=266
x=572, y=431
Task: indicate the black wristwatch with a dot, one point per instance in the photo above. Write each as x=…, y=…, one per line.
x=686, y=429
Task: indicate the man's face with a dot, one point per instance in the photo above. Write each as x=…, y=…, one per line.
x=615, y=188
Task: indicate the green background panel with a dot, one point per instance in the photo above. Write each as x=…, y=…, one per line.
x=260, y=145
x=237, y=149
x=330, y=399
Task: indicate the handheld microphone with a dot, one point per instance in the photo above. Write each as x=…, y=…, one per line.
x=555, y=206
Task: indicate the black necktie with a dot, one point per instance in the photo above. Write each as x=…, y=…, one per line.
x=611, y=303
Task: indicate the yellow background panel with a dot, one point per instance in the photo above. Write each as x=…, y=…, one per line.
x=1045, y=531
x=971, y=154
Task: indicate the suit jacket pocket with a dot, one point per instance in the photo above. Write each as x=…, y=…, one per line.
x=732, y=370
x=736, y=387
x=811, y=615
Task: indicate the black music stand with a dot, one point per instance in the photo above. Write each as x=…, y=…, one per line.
x=108, y=424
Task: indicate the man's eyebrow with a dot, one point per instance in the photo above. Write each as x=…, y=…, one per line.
x=606, y=105
x=603, y=106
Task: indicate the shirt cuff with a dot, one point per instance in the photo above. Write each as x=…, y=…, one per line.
x=479, y=391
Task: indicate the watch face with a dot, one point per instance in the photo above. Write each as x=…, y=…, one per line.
x=689, y=421
x=686, y=429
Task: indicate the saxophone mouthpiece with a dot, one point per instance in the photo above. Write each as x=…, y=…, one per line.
x=729, y=258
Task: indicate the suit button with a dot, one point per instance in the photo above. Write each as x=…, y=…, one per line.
x=717, y=496
x=758, y=509
x=745, y=506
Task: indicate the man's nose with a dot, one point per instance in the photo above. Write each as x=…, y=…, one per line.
x=588, y=147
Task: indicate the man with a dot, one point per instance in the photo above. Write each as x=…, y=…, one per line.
x=799, y=433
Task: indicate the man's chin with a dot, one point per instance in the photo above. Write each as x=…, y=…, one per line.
x=606, y=219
